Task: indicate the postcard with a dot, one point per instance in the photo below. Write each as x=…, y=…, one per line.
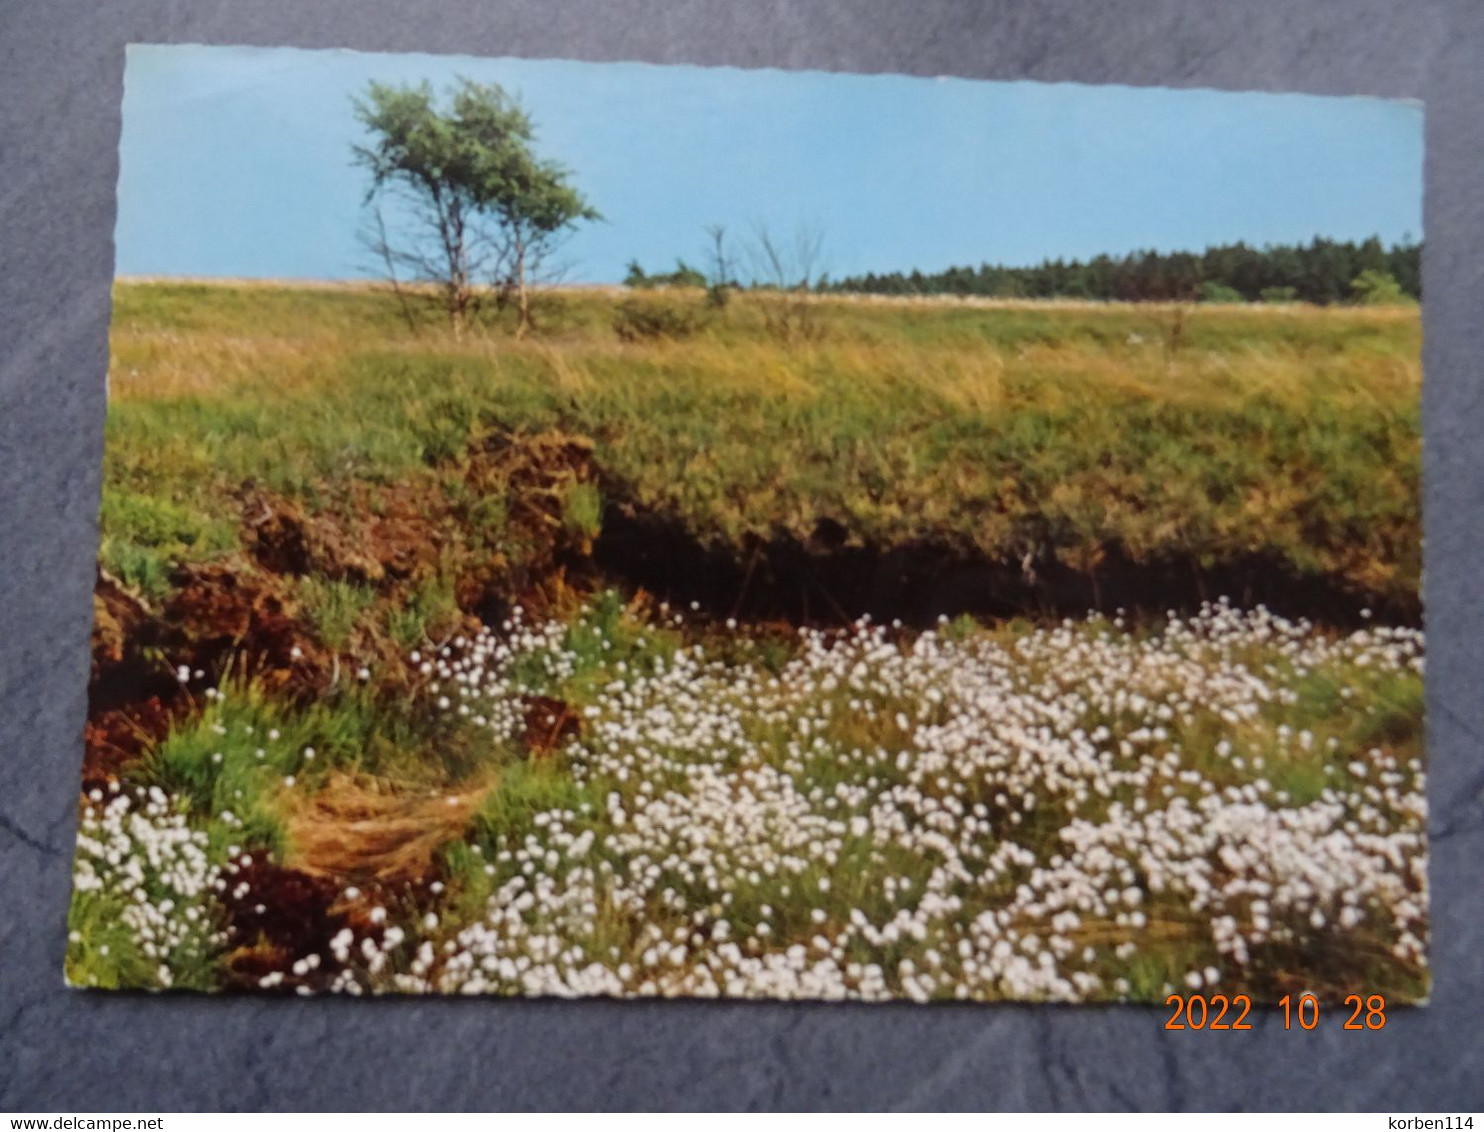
x=580, y=529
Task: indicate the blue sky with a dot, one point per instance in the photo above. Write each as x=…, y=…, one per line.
x=236, y=162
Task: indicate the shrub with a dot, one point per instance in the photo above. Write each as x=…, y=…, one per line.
x=1279, y=294
x=640, y=320
x=1377, y=288
x=1213, y=292
x=684, y=275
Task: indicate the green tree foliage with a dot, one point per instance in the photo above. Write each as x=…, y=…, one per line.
x=1211, y=291
x=684, y=275
x=1321, y=271
x=480, y=206
x=1376, y=288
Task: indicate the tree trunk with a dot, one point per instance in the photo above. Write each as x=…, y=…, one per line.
x=522, y=299
x=458, y=305
x=458, y=283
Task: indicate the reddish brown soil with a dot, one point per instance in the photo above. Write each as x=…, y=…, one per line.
x=277, y=915
x=372, y=536
x=549, y=724
x=220, y=621
x=239, y=618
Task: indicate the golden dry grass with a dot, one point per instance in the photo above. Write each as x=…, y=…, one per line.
x=1212, y=434
x=356, y=827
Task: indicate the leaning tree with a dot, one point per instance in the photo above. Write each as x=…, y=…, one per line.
x=477, y=206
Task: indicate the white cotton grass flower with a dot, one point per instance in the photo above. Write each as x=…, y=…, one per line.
x=694, y=803
x=922, y=816
x=139, y=850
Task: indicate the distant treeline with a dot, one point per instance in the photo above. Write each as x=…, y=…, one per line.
x=1322, y=271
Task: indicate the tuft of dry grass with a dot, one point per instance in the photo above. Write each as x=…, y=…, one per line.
x=358, y=828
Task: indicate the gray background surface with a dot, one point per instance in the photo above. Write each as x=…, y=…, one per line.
x=61, y=66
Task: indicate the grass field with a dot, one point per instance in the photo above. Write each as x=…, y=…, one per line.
x=536, y=667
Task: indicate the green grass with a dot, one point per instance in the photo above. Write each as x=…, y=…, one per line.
x=230, y=765
x=1223, y=433
x=232, y=760
x=143, y=534
x=106, y=951
x=425, y=614
x=1382, y=708
x=1290, y=434
x=246, y=752
x=333, y=607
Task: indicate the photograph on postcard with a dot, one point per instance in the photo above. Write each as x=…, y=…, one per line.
x=612, y=529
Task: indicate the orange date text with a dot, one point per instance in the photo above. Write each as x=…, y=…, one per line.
x=1302, y=1012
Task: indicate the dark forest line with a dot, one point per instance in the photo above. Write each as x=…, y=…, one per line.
x=1323, y=271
